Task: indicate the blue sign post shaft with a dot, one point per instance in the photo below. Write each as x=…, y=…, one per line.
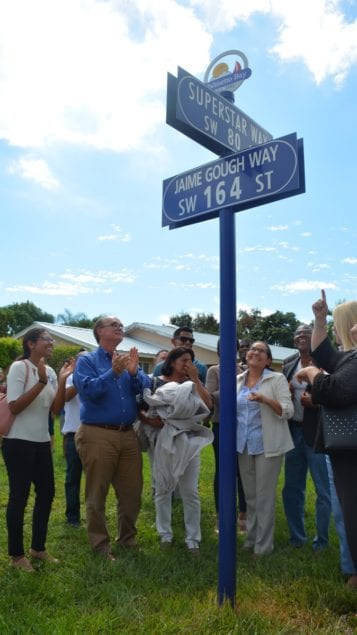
x=261, y=170
x=228, y=406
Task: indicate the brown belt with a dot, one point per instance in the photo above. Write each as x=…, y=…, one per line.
x=119, y=428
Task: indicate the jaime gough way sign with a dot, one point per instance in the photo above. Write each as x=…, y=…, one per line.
x=256, y=176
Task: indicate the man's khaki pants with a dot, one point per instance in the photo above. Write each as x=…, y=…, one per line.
x=110, y=457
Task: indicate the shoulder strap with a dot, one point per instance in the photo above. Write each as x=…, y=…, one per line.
x=27, y=373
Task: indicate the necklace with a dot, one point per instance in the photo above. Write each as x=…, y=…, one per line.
x=251, y=381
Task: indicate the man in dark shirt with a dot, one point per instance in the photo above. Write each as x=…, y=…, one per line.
x=107, y=384
x=183, y=337
x=302, y=457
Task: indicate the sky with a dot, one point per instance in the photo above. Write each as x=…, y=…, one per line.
x=84, y=150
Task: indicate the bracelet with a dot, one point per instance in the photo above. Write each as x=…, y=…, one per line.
x=42, y=381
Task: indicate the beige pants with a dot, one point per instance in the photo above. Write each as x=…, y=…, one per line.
x=260, y=479
x=110, y=457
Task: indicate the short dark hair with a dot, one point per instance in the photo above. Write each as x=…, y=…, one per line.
x=303, y=326
x=219, y=345
x=186, y=329
x=173, y=355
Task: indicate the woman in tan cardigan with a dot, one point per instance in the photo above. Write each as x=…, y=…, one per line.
x=264, y=406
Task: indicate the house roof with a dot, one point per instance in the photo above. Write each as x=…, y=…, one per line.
x=203, y=340
x=84, y=337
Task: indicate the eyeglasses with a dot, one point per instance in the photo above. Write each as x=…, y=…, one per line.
x=255, y=349
x=46, y=339
x=117, y=325
x=186, y=339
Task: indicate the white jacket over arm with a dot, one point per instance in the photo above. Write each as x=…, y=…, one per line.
x=182, y=437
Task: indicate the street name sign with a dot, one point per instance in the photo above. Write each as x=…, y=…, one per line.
x=207, y=117
x=259, y=175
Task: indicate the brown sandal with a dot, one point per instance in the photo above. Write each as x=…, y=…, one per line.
x=22, y=563
x=44, y=556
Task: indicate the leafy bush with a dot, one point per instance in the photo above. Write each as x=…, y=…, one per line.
x=9, y=350
x=61, y=353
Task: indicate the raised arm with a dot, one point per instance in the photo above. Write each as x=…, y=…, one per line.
x=320, y=310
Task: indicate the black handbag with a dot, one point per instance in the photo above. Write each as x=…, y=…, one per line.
x=338, y=430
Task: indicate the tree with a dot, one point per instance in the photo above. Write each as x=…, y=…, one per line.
x=206, y=323
x=75, y=319
x=248, y=324
x=16, y=317
x=182, y=319
x=277, y=328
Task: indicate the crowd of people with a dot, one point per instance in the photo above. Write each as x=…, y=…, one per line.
x=177, y=408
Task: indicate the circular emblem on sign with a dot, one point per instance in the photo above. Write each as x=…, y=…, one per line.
x=228, y=75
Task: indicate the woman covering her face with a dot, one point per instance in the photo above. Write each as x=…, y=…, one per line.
x=178, y=402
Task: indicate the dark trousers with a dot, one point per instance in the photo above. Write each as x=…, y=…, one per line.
x=345, y=476
x=28, y=462
x=73, y=479
x=242, y=505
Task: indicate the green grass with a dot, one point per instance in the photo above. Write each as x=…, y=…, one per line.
x=154, y=592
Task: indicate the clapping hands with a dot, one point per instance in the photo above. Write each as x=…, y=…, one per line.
x=126, y=361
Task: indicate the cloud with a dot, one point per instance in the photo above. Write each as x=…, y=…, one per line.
x=183, y=261
x=329, y=44
x=75, y=284
x=278, y=228
x=248, y=308
x=303, y=285
x=164, y=318
x=350, y=261
x=92, y=73
x=306, y=234
x=193, y=285
x=117, y=235
x=317, y=266
x=35, y=170
x=101, y=276
x=248, y=250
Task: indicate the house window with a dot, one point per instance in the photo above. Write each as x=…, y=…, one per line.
x=145, y=366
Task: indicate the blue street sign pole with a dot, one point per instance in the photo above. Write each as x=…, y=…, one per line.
x=260, y=170
x=228, y=405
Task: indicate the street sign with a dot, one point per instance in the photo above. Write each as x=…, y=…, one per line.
x=254, y=169
x=259, y=175
x=229, y=81
x=208, y=118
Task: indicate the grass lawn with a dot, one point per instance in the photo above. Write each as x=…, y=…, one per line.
x=153, y=592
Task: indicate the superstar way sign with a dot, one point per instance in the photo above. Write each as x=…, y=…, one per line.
x=259, y=175
x=207, y=117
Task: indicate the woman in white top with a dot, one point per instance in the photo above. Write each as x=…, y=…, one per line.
x=32, y=392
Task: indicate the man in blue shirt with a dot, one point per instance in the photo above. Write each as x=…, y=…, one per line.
x=107, y=384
